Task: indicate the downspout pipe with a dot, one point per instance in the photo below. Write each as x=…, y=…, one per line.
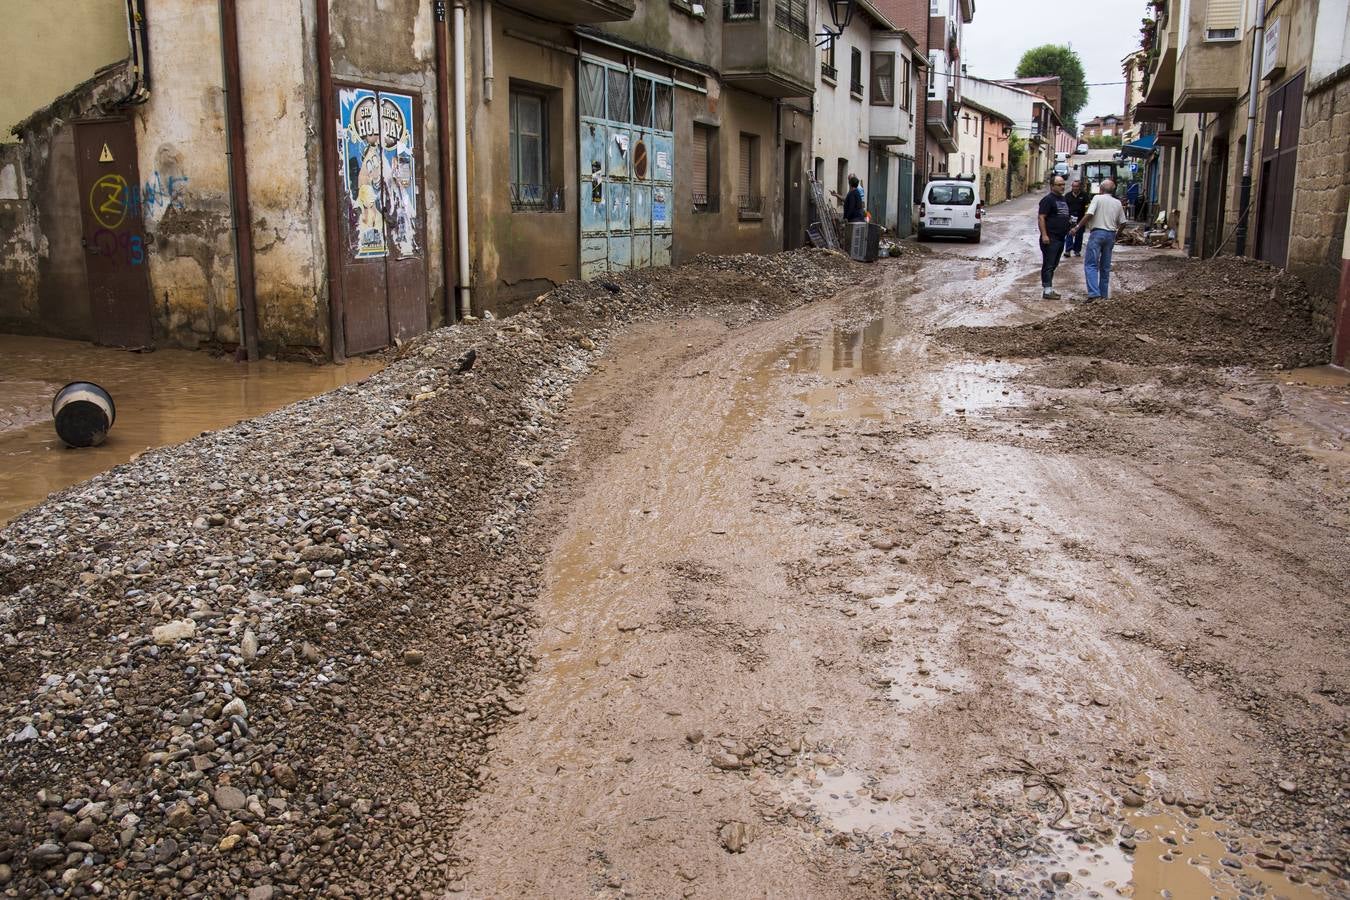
x=444, y=156
x=488, y=76
x=461, y=163
x=241, y=220
x=1245, y=188
x=328, y=144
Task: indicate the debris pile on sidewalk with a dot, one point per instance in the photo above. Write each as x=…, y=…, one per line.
x=269, y=659
x=1218, y=312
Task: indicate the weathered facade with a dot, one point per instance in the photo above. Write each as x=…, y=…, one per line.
x=991, y=153
x=1196, y=93
x=867, y=88
x=299, y=197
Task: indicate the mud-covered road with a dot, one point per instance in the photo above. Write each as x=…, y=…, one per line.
x=755, y=577
x=834, y=609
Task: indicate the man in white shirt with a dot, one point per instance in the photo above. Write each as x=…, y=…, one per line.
x=1105, y=214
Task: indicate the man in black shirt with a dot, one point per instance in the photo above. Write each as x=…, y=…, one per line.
x=1053, y=218
x=853, y=202
x=1078, y=203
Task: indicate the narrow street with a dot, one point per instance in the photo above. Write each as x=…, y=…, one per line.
x=752, y=583
x=887, y=618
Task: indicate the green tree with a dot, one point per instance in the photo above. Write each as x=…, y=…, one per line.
x=1057, y=59
x=1017, y=148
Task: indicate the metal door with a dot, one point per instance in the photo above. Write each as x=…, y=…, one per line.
x=627, y=168
x=112, y=232
x=383, y=260
x=1279, y=155
x=877, y=189
x=905, y=214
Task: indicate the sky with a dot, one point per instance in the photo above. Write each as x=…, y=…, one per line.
x=1102, y=31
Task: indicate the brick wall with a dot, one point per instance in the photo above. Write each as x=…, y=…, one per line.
x=1322, y=190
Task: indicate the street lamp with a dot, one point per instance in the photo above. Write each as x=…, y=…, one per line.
x=841, y=13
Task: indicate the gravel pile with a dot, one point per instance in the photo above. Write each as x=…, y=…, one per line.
x=1218, y=312
x=267, y=661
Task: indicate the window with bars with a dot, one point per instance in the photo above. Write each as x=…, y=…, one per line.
x=748, y=198
x=855, y=82
x=703, y=154
x=883, y=79
x=531, y=186
x=740, y=10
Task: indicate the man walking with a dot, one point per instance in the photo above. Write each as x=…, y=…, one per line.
x=1053, y=218
x=1078, y=203
x=1105, y=215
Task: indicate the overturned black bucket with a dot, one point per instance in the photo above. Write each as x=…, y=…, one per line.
x=83, y=412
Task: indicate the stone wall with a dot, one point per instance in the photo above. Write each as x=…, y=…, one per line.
x=994, y=184
x=1323, y=190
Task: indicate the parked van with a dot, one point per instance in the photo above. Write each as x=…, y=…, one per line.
x=951, y=207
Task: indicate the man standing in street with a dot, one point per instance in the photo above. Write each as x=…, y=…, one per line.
x=1053, y=218
x=1105, y=214
x=1078, y=203
x=853, y=202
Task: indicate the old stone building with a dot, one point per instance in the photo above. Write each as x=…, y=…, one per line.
x=352, y=174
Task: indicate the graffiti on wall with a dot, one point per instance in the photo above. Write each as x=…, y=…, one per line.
x=376, y=142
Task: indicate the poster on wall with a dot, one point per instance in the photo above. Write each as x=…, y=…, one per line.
x=379, y=171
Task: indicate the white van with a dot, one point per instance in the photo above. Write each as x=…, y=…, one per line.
x=951, y=207
x=1061, y=157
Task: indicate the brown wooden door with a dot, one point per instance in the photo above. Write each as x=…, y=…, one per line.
x=383, y=271
x=1279, y=162
x=112, y=232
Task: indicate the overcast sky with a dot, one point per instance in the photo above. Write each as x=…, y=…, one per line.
x=1102, y=31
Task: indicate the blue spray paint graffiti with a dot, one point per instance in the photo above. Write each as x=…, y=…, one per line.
x=157, y=194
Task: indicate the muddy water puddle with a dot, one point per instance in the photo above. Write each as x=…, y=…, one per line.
x=162, y=398
x=1317, y=422
x=1174, y=857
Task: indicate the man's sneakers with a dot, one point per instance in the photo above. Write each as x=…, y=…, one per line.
x=1049, y=294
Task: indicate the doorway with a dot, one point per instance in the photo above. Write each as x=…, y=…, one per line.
x=1279, y=160
x=113, y=232
x=1216, y=190
x=383, y=234
x=904, y=218
x=877, y=187
x=793, y=229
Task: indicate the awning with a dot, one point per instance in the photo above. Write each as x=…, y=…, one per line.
x=1142, y=148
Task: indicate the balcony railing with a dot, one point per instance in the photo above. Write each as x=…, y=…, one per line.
x=705, y=202
x=856, y=86
x=752, y=204
x=792, y=16
x=538, y=198
x=829, y=72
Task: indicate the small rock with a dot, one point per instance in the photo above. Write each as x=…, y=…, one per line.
x=228, y=797
x=1061, y=877
x=235, y=707
x=694, y=737
x=285, y=776
x=179, y=815
x=413, y=657
x=1132, y=799
x=1288, y=786
x=726, y=761
x=261, y=892
x=44, y=855
x=173, y=632
x=248, y=647
x=736, y=836
x=229, y=842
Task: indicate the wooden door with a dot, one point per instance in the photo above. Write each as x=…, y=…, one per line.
x=112, y=232
x=383, y=235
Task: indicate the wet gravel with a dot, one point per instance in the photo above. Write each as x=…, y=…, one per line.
x=1218, y=312
x=267, y=661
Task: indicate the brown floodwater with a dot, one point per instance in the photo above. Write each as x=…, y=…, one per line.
x=162, y=398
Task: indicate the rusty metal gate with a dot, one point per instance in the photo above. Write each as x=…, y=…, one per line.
x=384, y=276
x=627, y=167
x=112, y=232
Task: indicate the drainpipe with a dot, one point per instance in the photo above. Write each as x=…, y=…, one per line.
x=443, y=153
x=1245, y=191
x=487, y=51
x=240, y=219
x=328, y=143
x=461, y=163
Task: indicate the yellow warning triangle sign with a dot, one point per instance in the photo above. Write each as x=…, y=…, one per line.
x=106, y=155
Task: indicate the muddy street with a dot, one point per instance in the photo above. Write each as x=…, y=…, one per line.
x=764, y=576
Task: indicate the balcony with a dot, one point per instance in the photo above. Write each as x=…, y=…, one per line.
x=941, y=121
x=768, y=52
x=1160, y=73
x=1209, y=73
x=579, y=12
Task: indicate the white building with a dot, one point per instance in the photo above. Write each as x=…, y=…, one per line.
x=868, y=93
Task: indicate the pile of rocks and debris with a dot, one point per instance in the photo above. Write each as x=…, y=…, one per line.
x=267, y=661
x=1218, y=312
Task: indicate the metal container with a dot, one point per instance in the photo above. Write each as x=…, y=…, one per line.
x=83, y=413
x=864, y=239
